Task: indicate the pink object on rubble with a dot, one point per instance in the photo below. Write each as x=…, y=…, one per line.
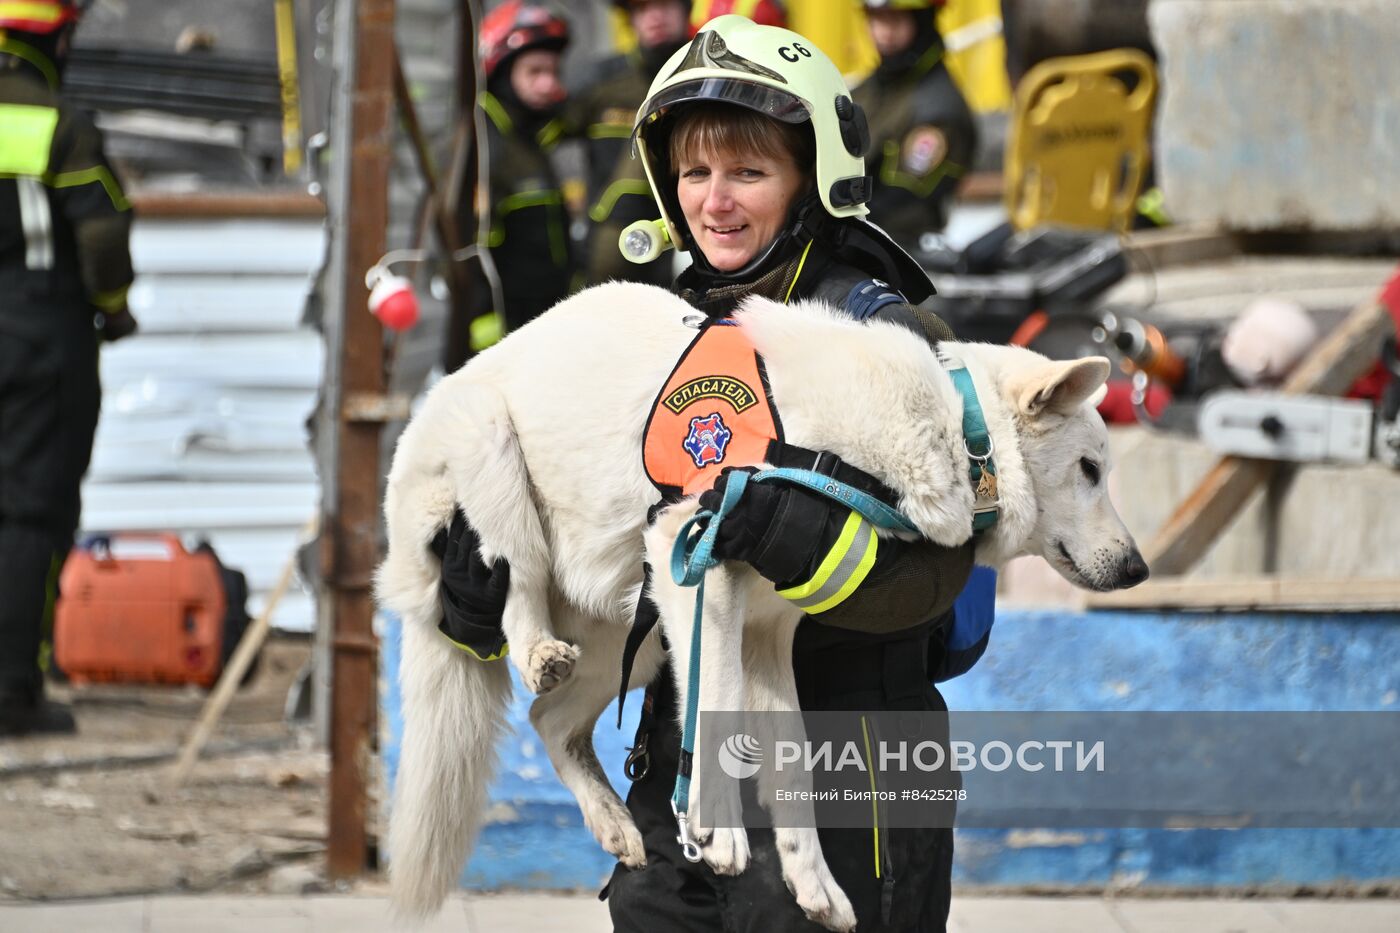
x=1267, y=340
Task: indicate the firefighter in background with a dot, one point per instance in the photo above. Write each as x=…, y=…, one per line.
x=618, y=194
x=763, y=12
x=922, y=132
x=525, y=236
x=65, y=269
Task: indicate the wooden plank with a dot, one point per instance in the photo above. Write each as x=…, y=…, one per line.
x=1180, y=246
x=1200, y=518
x=1345, y=355
x=232, y=676
x=1246, y=593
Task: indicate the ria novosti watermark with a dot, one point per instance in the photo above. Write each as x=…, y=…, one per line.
x=930, y=756
x=1091, y=769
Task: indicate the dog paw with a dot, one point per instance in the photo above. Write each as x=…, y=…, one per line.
x=727, y=851
x=810, y=881
x=550, y=663
x=612, y=826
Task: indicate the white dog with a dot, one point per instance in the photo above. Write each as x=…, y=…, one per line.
x=539, y=441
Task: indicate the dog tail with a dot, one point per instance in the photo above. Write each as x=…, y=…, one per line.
x=459, y=450
x=454, y=710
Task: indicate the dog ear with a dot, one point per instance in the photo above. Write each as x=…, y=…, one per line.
x=1060, y=386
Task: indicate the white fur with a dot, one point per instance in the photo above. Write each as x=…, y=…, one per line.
x=539, y=441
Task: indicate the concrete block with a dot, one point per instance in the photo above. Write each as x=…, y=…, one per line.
x=1222, y=917
x=331, y=914
x=1334, y=522
x=1326, y=916
x=1016, y=913
x=578, y=913
x=125, y=916
x=1279, y=114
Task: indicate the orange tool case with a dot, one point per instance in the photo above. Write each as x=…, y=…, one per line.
x=141, y=608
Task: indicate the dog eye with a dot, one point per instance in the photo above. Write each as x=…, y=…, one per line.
x=1091, y=470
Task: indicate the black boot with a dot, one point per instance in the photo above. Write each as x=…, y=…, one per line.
x=30, y=714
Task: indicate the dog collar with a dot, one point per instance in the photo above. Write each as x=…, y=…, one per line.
x=977, y=441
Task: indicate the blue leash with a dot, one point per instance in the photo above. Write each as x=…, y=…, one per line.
x=693, y=555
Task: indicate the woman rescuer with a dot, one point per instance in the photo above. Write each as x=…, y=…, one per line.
x=753, y=149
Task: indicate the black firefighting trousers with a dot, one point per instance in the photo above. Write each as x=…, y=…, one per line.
x=49, y=401
x=913, y=892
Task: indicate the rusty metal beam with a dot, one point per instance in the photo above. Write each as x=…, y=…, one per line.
x=352, y=548
x=456, y=201
x=202, y=204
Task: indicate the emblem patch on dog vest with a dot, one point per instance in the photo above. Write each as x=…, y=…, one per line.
x=712, y=411
x=707, y=439
x=731, y=390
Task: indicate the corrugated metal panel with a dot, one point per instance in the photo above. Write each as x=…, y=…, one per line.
x=168, y=303
x=203, y=422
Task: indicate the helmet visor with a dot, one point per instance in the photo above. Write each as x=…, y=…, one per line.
x=769, y=101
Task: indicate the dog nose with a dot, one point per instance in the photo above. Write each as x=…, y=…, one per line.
x=1134, y=570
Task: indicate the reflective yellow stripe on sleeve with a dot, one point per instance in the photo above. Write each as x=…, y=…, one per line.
x=98, y=174
x=841, y=571
x=9, y=45
x=495, y=111
x=549, y=134
x=610, y=131
x=112, y=301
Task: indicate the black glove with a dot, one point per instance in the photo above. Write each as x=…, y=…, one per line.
x=115, y=326
x=473, y=595
x=775, y=527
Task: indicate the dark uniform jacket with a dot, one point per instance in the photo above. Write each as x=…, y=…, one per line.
x=618, y=195
x=526, y=232
x=923, y=139
x=64, y=220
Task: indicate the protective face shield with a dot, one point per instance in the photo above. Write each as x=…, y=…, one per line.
x=772, y=71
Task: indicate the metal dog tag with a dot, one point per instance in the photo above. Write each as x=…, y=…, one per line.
x=987, y=485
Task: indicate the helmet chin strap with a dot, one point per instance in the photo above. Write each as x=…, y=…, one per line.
x=854, y=240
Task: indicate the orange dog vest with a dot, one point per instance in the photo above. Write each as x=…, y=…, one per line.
x=713, y=412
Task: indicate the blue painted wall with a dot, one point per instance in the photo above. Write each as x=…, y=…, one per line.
x=539, y=840
x=1038, y=661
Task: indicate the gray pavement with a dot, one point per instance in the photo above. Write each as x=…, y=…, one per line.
x=539, y=913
